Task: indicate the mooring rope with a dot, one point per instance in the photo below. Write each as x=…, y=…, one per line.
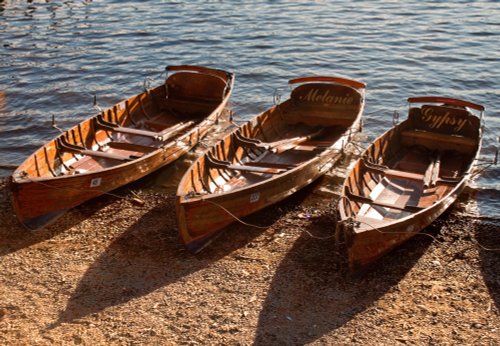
x=234, y=216
x=429, y=235
x=317, y=237
x=484, y=247
x=478, y=171
x=261, y=227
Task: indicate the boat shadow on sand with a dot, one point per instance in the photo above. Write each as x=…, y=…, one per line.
x=488, y=236
x=14, y=236
x=485, y=234
x=149, y=256
x=313, y=294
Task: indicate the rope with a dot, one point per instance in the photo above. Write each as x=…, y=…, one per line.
x=261, y=227
x=316, y=237
x=427, y=234
x=234, y=216
x=484, y=247
x=478, y=171
x=356, y=146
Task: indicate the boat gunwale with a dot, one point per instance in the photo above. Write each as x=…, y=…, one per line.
x=281, y=176
x=398, y=228
x=185, y=198
x=446, y=100
x=465, y=176
x=17, y=177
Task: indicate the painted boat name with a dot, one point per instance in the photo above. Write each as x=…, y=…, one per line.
x=314, y=95
x=435, y=121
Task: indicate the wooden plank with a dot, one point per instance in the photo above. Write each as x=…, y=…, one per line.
x=329, y=79
x=306, y=148
x=405, y=175
x=64, y=145
x=138, y=132
x=367, y=200
x=383, y=170
x=104, y=155
x=439, y=141
x=159, y=136
x=446, y=100
x=435, y=171
x=276, y=146
x=247, y=167
x=270, y=164
x=391, y=172
x=157, y=125
x=131, y=147
x=256, y=169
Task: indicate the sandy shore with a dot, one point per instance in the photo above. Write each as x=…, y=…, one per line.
x=113, y=272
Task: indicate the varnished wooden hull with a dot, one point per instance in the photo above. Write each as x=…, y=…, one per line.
x=40, y=201
x=369, y=244
x=199, y=219
x=203, y=209
x=389, y=197
x=61, y=175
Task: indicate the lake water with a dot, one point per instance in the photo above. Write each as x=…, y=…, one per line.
x=55, y=55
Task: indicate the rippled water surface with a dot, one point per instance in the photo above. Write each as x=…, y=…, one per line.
x=55, y=55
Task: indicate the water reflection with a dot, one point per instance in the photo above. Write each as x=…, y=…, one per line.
x=55, y=52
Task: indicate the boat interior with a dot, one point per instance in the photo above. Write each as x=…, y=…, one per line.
x=280, y=139
x=414, y=165
x=133, y=128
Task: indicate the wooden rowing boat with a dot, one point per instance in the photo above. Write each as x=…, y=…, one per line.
x=120, y=145
x=277, y=153
x=409, y=176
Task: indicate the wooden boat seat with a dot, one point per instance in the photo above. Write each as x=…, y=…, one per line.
x=64, y=145
x=189, y=106
x=161, y=136
x=156, y=125
x=248, y=167
x=276, y=146
x=313, y=146
x=195, y=101
x=357, y=198
x=325, y=117
x=439, y=141
x=270, y=164
x=131, y=147
x=255, y=169
x=386, y=171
